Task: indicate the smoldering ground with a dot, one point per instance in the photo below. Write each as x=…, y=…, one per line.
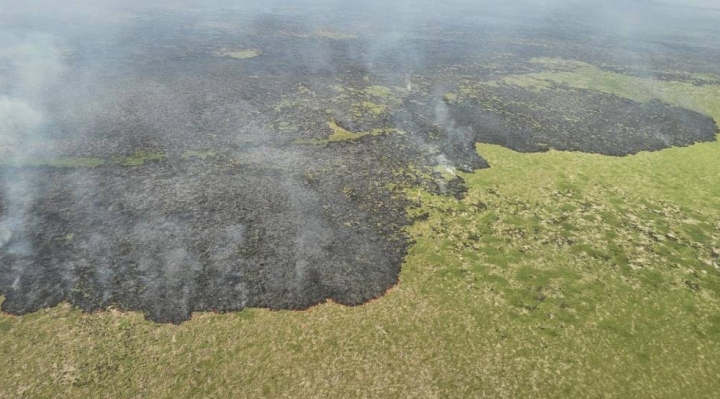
x=178, y=157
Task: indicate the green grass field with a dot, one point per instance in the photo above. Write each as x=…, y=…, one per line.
x=559, y=274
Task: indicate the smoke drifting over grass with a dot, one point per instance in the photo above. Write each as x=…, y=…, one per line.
x=101, y=103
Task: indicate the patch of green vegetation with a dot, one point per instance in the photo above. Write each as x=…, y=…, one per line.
x=138, y=158
x=329, y=34
x=559, y=257
x=380, y=132
x=379, y=91
x=373, y=108
x=240, y=54
x=368, y=106
x=374, y=101
x=339, y=134
x=580, y=75
x=450, y=97
x=191, y=154
x=61, y=162
x=527, y=82
x=285, y=126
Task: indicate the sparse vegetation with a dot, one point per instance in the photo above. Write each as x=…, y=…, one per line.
x=240, y=54
x=61, y=162
x=339, y=135
x=580, y=75
x=138, y=158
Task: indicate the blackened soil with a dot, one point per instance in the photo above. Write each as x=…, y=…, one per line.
x=275, y=217
x=576, y=120
x=169, y=239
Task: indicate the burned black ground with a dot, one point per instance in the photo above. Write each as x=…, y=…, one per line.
x=279, y=216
